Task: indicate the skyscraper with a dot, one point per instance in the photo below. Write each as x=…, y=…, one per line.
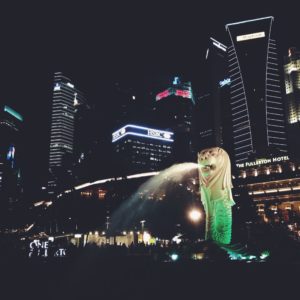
x=173, y=111
x=203, y=123
x=292, y=91
x=11, y=124
x=65, y=98
x=213, y=109
x=256, y=97
x=141, y=149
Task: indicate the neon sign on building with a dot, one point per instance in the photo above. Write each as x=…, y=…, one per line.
x=176, y=92
x=13, y=113
x=251, y=36
x=163, y=94
x=263, y=161
x=183, y=93
x=226, y=81
x=142, y=132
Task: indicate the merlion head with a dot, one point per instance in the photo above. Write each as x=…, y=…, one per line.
x=214, y=168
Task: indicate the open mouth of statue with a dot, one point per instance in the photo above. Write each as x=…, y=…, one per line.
x=207, y=168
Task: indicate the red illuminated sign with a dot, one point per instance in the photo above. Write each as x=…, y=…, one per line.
x=183, y=93
x=162, y=95
x=171, y=91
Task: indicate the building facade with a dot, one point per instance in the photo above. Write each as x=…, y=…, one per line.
x=256, y=90
x=173, y=111
x=292, y=97
x=272, y=185
x=213, y=114
x=65, y=99
x=141, y=149
x=11, y=124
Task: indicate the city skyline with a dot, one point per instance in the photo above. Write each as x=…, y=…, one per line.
x=146, y=150
x=171, y=44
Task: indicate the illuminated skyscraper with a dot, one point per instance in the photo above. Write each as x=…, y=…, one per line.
x=292, y=91
x=65, y=99
x=141, y=149
x=173, y=111
x=213, y=109
x=256, y=97
x=11, y=123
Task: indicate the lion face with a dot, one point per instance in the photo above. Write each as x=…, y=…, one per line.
x=214, y=168
x=207, y=160
x=208, y=166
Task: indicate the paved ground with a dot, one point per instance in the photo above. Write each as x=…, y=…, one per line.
x=87, y=278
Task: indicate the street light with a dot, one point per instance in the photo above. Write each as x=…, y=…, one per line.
x=107, y=222
x=194, y=215
x=143, y=225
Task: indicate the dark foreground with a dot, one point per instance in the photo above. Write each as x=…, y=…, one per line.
x=139, y=278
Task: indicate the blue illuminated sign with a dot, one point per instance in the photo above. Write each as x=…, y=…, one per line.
x=142, y=132
x=224, y=82
x=13, y=113
x=176, y=80
x=10, y=156
x=11, y=153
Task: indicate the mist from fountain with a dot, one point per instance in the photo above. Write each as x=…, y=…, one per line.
x=158, y=197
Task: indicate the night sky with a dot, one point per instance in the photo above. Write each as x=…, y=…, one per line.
x=135, y=43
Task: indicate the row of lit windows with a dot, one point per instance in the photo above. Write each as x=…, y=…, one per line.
x=149, y=150
x=139, y=162
x=100, y=194
x=9, y=125
x=143, y=153
x=152, y=150
x=147, y=144
x=264, y=171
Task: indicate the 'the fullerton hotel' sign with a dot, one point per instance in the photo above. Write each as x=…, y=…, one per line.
x=263, y=161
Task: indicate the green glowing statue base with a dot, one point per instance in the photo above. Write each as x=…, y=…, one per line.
x=216, y=195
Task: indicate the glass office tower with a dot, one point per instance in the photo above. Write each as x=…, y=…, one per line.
x=65, y=99
x=292, y=97
x=256, y=98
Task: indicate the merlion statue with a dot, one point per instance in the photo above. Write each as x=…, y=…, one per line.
x=216, y=195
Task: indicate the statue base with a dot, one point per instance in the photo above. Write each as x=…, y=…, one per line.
x=216, y=252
